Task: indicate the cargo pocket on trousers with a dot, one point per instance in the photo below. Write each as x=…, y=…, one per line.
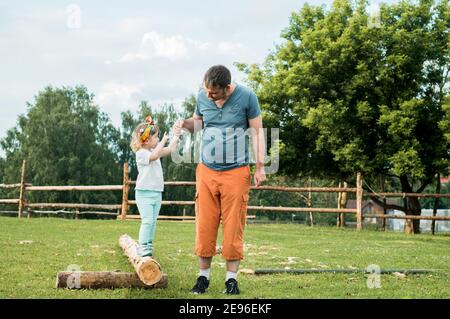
x=244, y=206
x=196, y=203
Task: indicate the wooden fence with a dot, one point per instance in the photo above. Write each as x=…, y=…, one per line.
x=122, y=209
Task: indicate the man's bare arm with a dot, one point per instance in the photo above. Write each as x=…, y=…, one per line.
x=193, y=124
x=259, y=149
x=258, y=140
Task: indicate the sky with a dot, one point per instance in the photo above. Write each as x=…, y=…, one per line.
x=128, y=51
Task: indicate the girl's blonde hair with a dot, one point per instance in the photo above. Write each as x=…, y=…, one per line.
x=136, y=142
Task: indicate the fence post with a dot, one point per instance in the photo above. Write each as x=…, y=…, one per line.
x=22, y=189
x=125, y=188
x=383, y=220
x=359, y=193
x=311, y=216
x=338, y=219
x=342, y=203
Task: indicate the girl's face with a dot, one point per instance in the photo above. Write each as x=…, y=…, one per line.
x=152, y=141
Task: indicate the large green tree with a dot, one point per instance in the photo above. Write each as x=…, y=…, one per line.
x=66, y=140
x=354, y=92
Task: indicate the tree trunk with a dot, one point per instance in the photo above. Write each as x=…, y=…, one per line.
x=411, y=205
x=147, y=268
x=103, y=279
x=436, y=202
x=413, y=208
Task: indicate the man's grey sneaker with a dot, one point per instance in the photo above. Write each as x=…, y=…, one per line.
x=231, y=287
x=201, y=286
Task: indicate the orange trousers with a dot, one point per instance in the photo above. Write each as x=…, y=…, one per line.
x=221, y=195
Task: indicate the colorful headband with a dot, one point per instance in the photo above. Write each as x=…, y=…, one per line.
x=145, y=132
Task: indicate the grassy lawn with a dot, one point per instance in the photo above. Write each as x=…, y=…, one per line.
x=28, y=269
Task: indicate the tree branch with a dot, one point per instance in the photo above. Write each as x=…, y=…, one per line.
x=425, y=183
x=391, y=175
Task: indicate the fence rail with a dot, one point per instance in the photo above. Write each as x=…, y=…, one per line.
x=418, y=195
x=408, y=217
x=122, y=209
x=70, y=205
x=9, y=201
x=74, y=188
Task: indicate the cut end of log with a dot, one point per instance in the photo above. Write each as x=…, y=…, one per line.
x=149, y=271
x=147, y=268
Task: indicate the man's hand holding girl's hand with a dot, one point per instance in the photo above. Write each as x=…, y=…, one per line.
x=165, y=138
x=177, y=127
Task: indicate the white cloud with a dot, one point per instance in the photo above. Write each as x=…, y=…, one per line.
x=177, y=47
x=155, y=45
x=58, y=15
x=230, y=48
x=133, y=25
x=173, y=48
x=115, y=98
x=118, y=96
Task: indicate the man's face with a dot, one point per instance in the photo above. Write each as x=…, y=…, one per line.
x=215, y=93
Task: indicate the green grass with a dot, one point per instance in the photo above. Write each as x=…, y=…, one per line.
x=28, y=270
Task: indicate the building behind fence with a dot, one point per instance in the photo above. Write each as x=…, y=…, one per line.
x=442, y=226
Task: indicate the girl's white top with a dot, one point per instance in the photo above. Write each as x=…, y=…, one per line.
x=150, y=174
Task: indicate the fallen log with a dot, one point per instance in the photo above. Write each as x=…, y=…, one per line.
x=147, y=268
x=103, y=279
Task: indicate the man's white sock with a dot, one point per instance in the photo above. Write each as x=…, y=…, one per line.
x=231, y=275
x=205, y=272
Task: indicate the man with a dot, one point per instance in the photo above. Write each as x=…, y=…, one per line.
x=224, y=111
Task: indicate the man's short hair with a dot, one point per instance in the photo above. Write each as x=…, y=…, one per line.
x=217, y=76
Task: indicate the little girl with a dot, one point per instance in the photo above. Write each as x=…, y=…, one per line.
x=150, y=183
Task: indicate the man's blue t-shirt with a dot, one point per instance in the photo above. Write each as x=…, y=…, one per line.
x=225, y=137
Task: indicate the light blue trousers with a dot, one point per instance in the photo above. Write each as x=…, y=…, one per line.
x=149, y=204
